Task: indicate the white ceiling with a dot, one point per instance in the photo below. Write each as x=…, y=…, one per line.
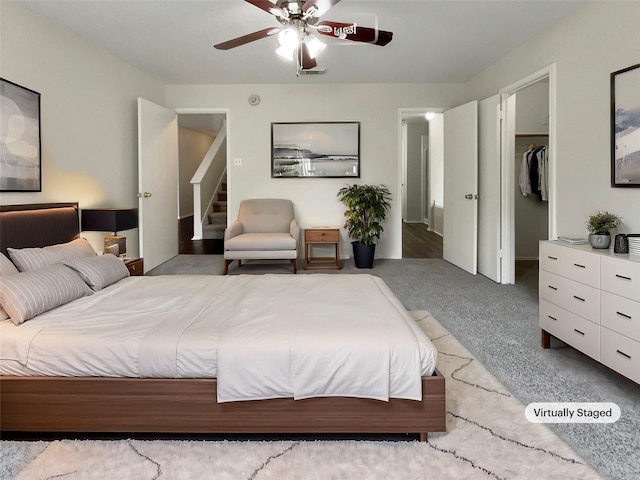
x=435, y=41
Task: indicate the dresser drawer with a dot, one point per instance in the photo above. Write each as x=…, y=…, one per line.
x=576, y=297
x=576, y=331
x=620, y=314
x=322, y=235
x=621, y=277
x=581, y=266
x=620, y=353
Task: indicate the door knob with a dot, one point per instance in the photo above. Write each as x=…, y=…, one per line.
x=145, y=195
x=469, y=196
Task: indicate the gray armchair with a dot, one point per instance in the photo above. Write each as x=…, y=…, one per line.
x=265, y=229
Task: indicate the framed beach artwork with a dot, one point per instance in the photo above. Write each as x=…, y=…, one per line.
x=20, y=160
x=321, y=149
x=625, y=127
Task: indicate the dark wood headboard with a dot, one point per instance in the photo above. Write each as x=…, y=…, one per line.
x=38, y=225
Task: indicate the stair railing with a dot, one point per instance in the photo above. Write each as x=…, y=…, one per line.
x=208, y=180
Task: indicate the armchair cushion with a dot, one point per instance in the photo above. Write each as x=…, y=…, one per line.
x=266, y=215
x=261, y=241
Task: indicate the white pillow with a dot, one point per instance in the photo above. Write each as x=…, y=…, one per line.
x=6, y=268
x=34, y=258
x=27, y=294
x=99, y=272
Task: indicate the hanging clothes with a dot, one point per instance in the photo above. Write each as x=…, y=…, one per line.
x=534, y=172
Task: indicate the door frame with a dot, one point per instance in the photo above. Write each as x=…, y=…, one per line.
x=402, y=167
x=508, y=166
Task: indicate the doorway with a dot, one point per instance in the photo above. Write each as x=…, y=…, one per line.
x=528, y=217
x=196, y=134
x=421, y=182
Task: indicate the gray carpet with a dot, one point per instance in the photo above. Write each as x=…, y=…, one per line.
x=499, y=325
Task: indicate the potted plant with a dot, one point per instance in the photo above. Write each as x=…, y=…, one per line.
x=599, y=225
x=367, y=207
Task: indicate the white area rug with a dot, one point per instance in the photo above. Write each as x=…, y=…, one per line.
x=487, y=437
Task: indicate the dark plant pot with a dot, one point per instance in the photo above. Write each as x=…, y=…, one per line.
x=363, y=255
x=600, y=240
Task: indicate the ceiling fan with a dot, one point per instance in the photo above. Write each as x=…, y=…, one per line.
x=300, y=21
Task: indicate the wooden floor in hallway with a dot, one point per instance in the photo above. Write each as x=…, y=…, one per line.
x=418, y=242
x=196, y=247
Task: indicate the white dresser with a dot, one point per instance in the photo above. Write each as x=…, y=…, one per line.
x=590, y=299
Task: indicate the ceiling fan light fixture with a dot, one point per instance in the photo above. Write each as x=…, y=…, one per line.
x=286, y=52
x=314, y=45
x=289, y=38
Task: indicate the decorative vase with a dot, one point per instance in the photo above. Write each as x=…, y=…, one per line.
x=363, y=255
x=599, y=240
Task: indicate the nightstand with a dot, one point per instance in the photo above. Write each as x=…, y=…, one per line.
x=321, y=236
x=135, y=266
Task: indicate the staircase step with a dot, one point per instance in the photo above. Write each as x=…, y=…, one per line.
x=219, y=206
x=213, y=231
x=218, y=218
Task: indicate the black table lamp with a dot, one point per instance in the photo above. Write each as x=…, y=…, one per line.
x=110, y=220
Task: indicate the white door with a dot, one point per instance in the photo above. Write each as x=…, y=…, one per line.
x=489, y=255
x=460, y=245
x=157, y=183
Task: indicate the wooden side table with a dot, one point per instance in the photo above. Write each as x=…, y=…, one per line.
x=135, y=266
x=321, y=236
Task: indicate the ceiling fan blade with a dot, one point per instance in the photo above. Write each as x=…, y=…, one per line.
x=306, y=62
x=251, y=37
x=317, y=8
x=269, y=7
x=353, y=32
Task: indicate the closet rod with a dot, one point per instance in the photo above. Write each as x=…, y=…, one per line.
x=532, y=134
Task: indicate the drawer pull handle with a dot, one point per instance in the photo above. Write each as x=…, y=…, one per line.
x=623, y=277
x=578, y=331
x=552, y=287
x=552, y=258
x=578, y=298
x=628, y=317
x=623, y=354
x=580, y=266
x=552, y=318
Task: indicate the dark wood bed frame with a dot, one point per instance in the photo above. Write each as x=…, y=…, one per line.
x=124, y=405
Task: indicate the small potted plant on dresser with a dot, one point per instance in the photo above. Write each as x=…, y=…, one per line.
x=367, y=207
x=599, y=226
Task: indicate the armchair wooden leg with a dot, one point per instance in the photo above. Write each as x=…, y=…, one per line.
x=226, y=266
x=294, y=264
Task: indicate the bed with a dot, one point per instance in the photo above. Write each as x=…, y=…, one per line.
x=251, y=387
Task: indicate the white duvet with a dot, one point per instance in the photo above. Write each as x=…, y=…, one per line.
x=262, y=337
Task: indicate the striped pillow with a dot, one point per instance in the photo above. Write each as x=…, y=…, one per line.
x=25, y=295
x=6, y=268
x=34, y=258
x=99, y=272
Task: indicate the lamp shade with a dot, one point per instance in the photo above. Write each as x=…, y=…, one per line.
x=109, y=219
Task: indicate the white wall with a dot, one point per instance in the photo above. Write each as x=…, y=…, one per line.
x=415, y=177
x=599, y=38
x=88, y=114
x=315, y=202
x=436, y=159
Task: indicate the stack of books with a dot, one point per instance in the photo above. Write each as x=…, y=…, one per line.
x=573, y=240
x=634, y=243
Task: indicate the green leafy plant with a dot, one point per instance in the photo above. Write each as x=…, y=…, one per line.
x=600, y=223
x=367, y=207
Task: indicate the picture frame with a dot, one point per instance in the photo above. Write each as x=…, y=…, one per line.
x=20, y=145
x=625, y=127
x=315, y=150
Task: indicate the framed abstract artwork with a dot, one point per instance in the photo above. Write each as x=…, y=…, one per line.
x=321, y=149
x=20, y=158
x=625, y=127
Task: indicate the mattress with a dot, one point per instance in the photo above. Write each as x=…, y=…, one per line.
x=267, y=336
